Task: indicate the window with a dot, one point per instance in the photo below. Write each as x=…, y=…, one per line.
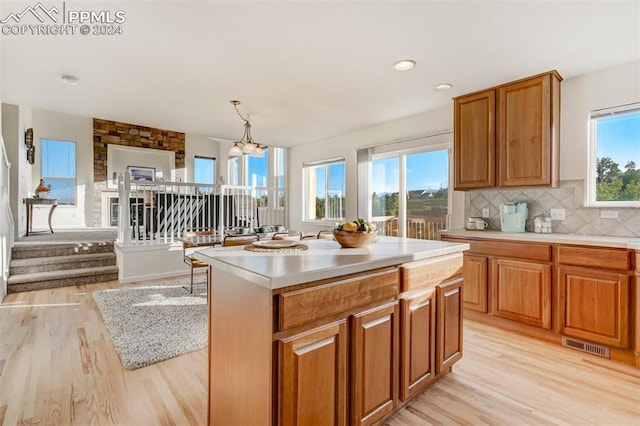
x=257, y=170
x=59, y=169
x=234, y=171
x=204, y=170
x=614, y=174
x=324, y=190
x=264, y=172
x=423, y=175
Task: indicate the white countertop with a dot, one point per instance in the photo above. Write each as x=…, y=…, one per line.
x=589, y=240
x=323, y=259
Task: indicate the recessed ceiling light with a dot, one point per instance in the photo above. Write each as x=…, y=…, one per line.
x=404, y=65
x=442, y=87
x=70, y=80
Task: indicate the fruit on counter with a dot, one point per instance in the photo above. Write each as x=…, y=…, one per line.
x=358, y=226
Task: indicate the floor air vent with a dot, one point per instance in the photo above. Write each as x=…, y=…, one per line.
x=591, y=348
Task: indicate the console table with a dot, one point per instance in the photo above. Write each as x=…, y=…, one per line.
x=30, y=202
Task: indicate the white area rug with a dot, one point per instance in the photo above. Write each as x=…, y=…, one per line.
x=154, y=322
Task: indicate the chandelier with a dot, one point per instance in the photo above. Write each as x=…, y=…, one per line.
x=246, y=145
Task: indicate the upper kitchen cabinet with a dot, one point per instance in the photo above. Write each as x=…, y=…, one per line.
x=475, y=140
x=508, y=135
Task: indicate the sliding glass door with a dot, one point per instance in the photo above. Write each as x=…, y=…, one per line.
x=422, y=177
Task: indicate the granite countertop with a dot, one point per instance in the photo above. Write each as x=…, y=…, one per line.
x=323, y=259
x=589, y=240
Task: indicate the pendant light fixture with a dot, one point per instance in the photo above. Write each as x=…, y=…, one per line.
x=246, y=144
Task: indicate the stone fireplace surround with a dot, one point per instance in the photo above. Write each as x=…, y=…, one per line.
x=107, y=132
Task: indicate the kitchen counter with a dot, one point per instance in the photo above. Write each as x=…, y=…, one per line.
x=632, y=243
x=324, y=259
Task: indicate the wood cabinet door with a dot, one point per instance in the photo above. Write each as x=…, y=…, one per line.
x=417, y=342
x=312, y=377
x=521, y=291
x=449, y=298
x=595, y=305
x=374, y=364
x=524, y=139
x=474, y=140
x=476, y=281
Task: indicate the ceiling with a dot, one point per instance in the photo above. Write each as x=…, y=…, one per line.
x=305, y=70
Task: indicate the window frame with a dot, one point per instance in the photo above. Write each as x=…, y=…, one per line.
x=74, y=180
x=305, y=179
x=590, y=186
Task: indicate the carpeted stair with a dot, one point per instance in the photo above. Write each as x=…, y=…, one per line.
x=49, y=265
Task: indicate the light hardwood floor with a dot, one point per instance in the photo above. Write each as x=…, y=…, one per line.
x=58, y=367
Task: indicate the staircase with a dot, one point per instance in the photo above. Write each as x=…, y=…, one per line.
x=49, y=265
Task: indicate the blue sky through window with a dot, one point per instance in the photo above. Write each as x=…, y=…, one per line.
x=204, y=169
x=424, y=171
x=619, y=138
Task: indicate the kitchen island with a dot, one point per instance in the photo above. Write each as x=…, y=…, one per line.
x=329, y=335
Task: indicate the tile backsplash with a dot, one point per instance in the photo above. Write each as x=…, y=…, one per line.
x=569, y=196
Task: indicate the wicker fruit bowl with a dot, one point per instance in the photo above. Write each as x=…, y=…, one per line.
x=354, y=239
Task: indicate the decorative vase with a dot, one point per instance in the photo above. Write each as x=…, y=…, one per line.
x=41, y=190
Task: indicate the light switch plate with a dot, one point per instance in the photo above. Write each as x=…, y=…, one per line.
x=485, y=212
x=557, y=214
x=608, y=214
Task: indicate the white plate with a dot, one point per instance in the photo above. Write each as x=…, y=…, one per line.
x=275, y=244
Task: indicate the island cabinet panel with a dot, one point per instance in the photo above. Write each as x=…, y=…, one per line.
x=418, y=342
x=595, y=305
x=475, y=140
x=312, y=377
x=374, y=363
x=476, y=281
x=449, y=298
x=527, y=138
x=521, y=291
x=430, y=272
x=310, y=304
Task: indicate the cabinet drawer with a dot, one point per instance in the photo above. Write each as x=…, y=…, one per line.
x=430, y=272
x=314, y=303
x=604, y=258
x=502, y=248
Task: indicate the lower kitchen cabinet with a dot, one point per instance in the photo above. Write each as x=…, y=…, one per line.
x=449, y=317
x=374, y=363
x=475, y=282
x=417, y=342
x=312, y=377
x=521, y=291
x=594, y=305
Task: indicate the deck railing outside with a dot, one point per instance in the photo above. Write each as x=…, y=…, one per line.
x=424, y=228
x=158, y=212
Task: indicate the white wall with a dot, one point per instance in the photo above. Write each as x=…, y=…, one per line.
x=72, y=128
x=346, y=146
x=607, y=88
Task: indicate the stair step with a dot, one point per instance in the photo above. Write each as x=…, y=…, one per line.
x=53, y=279
x=31, y=250
x=56, y=263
